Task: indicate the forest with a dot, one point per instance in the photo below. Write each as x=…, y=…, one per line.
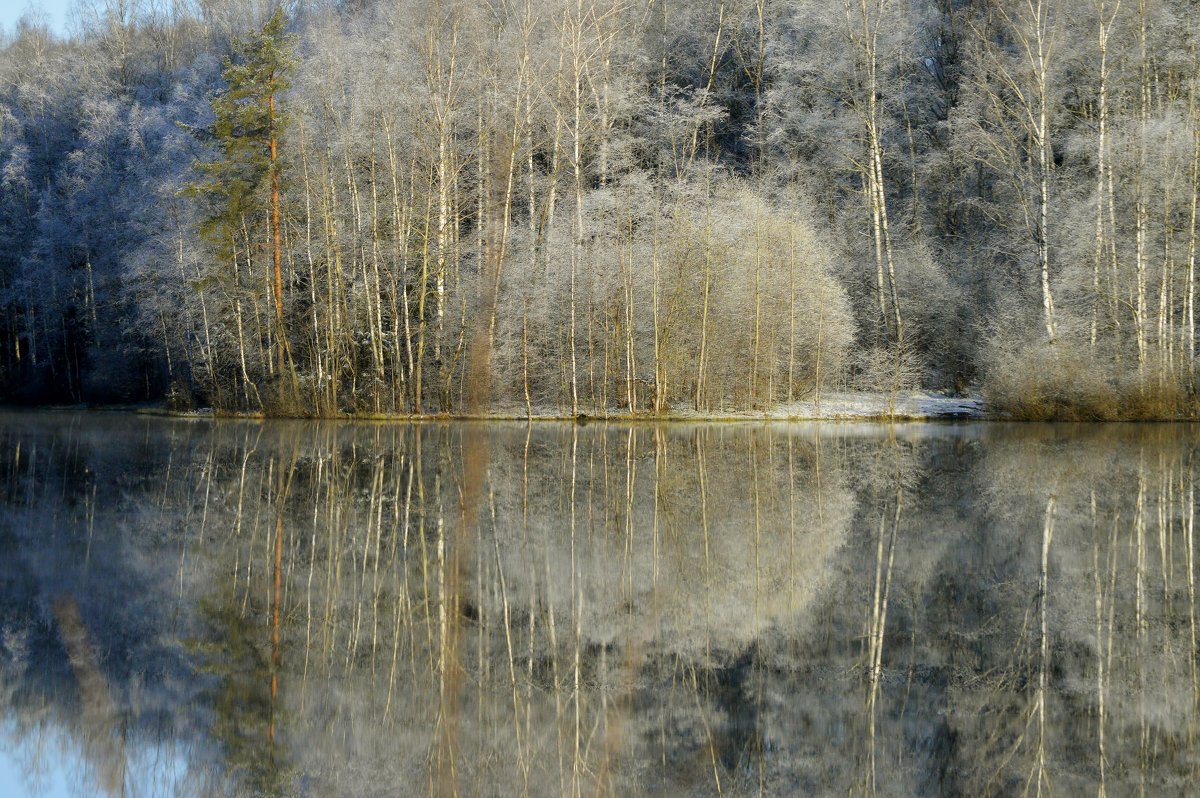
x=601, y=207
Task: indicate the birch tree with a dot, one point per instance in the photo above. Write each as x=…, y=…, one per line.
x=1015, y=79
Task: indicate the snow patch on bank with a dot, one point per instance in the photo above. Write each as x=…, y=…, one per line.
x=918, y=405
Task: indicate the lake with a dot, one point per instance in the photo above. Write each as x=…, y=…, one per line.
x=199, y=607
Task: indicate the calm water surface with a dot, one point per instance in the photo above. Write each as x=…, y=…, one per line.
x=191, y=607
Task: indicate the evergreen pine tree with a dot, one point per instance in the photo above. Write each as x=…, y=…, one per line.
x=246, y=176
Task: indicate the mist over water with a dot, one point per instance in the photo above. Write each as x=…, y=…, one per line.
x=195, y=607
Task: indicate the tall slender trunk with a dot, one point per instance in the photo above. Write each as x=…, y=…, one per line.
x=247, y=383
x=757, y=337
x=702, y=356
x=866, y=38
x=443, y=244
x=375, y=289
x=1190, y=299
x=713, y=62
x=1101, y=163
x=1141, y=212
x=312, y=275
x=422, y=297
x=1045, y=164
x=443, y=76
x=1043, y=225
x=276, y=235
x=577, y=79
x=533, y=252
x=398, y=290
x=630, y=355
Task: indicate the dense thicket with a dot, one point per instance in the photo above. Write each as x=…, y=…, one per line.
x=583, y=206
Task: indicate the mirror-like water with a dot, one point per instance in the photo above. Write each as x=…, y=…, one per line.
x=209, y=608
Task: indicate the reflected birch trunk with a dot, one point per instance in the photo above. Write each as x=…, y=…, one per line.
x=1101, y=685
x=1039, y=769
x=885, y=558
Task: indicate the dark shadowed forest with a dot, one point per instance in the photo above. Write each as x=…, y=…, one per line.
x=601, y=206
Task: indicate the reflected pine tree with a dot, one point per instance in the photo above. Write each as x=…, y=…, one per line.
x=233, y=652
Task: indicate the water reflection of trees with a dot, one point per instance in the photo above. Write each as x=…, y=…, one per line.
x=1098, y=691
x=556, y=609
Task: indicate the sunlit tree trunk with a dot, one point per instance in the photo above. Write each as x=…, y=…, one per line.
x=1033, y=30
x=574, y=30
x=705, y=290
x=1042, y=46
x=276, y=234
x=441, y=71
x=864, y=36
x=1105, y=28
x=1141, y=213
x=1190, y=299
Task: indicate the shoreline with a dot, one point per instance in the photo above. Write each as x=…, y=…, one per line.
x=916, y=407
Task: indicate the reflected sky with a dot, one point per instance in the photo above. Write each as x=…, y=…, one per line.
x=15, y=778
x=51, y=766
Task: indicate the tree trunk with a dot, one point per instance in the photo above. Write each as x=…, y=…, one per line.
x=276, y=236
